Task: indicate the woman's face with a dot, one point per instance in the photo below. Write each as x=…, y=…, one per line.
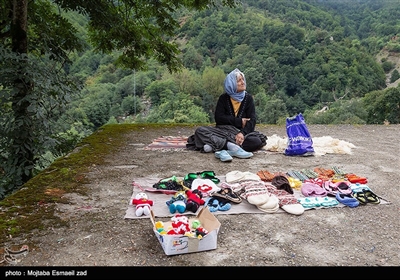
x=241, y=85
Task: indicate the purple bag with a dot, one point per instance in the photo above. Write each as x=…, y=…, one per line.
x=299, y=138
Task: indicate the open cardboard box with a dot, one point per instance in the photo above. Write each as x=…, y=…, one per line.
x=181, y=244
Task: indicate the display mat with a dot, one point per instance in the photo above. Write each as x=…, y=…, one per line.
x=160, y=208
x=168, y=142
x=322, y=145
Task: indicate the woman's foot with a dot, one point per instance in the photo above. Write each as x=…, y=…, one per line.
x=207, y=148
x=223, y=156
x=240, y=153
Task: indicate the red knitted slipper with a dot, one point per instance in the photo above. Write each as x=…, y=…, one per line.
x=353, y=178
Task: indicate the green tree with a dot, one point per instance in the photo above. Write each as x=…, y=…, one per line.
x=131, y=105
x=383, y=106
x=339, y=112
x=179, y=109
x=97, y=103
x=213, y=82
x=395, y=76
x=269, y=109
x=137, y=30
x=33, y=87
x=387, y=66
x=191, y=58
x=160, y=88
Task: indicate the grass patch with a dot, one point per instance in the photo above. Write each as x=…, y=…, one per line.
x=32, y=207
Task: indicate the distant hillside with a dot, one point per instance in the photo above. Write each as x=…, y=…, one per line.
x=395, y=59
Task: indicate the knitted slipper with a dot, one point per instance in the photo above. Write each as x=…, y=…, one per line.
x=343, y=187
x=297, y=174
x=250, y=176
x=270, y=205
x=212, y=204
x=328, y=201
x=258, y=199
x=295, y=209
x=331, y=188
x=347, y=200
x=265, y=175
x=357, y=187
x=324, y=173
x=371, y=197
x=310, y=173
x=317, y=181
x=311, y=189
x=256, y=194
x=228, y=194
x=234, y=176
x=360, y=196
x=224, y=205
x=294, y=183
x=338, y=171
x=315, y=202
x=273, y=210
x=282, y=183
x=353, y=178
x=309, y=202
x=205, y=186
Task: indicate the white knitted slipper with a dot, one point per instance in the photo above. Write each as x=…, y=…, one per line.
x=257, y=196
x=273, y=210
x=271, y=206
x=234, y=176
x=295, y=209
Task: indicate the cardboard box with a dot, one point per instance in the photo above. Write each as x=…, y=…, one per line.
x=181, y=244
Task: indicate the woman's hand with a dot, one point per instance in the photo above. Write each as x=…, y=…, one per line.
x=244, y=121
x=239, y=138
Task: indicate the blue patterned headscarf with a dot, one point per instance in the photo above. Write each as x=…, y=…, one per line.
x=230, y=85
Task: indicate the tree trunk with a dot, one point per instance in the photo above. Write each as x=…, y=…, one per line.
x=23, y=138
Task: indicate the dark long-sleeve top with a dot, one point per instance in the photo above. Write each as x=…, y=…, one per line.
x=225, y=115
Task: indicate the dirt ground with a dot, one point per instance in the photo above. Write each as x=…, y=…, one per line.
x=98, y=234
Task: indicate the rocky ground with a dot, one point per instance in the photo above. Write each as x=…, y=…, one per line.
x=98, y=235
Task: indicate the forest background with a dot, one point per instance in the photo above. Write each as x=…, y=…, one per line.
x=336, y=62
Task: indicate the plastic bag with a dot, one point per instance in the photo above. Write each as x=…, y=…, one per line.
x=300, y=142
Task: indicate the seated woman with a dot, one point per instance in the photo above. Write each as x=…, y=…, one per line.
x=234, y=134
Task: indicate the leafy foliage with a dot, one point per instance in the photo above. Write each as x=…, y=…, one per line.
x=35, y=87
x=30, y=132
x=395, y=76
x=383, y=106
x=165, y=61
x=177, y=108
